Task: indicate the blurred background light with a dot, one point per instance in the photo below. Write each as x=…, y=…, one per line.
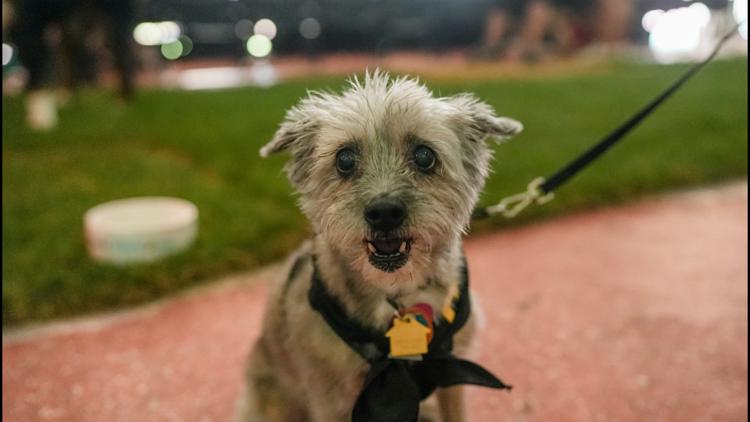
x=243, y=29
x=155, y=33
x=309, y=28
x=210, y=78
x=263, y=74
x=187, y=44
x=265, y=27
x=170, y=31
x=739, y=11
x=172, y=50
x=147, y=33
x=677, y=34
x=7, y=54
x=650, y=19
x=259, y=46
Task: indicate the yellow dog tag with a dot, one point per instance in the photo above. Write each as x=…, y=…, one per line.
x=449, y=314
x=408, y=337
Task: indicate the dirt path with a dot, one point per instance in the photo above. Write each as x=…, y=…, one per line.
x=633, y=313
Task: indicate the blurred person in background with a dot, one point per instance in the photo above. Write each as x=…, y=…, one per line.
x=530, y=30
x=500, y=18
x=610, y=24
x=55, y=39
x=7, y=15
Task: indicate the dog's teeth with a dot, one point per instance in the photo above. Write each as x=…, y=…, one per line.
x=402, y=248
x=371, y=247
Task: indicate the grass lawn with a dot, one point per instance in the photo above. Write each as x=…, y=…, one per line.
x=203, y=146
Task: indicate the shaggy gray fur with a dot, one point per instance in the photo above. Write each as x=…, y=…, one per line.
x=299, y=369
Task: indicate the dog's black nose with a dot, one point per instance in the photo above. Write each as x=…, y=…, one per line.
x=385, y=213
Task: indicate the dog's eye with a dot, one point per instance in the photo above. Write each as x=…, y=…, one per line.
x=424, y=158
x=346, y=161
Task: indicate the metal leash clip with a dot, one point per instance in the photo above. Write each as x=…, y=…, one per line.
x=510, y=206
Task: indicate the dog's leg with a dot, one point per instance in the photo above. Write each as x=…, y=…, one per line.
x=429, y=411
x=331, y=397
x=265, y=400
x=451, y=402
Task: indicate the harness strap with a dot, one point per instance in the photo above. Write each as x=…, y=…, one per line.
x=393, y=388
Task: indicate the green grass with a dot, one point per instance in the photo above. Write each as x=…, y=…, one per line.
x=203, y=146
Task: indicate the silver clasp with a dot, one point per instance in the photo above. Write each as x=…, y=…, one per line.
x=511, y=206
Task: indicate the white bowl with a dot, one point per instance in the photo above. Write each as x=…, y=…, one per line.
x=140, y=229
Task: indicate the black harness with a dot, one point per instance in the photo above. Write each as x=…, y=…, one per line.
x=393, y=388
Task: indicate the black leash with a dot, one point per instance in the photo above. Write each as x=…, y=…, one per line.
x=541, y=190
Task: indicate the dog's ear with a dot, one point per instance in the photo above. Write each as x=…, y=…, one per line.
x=478, y=121
x=294, y=129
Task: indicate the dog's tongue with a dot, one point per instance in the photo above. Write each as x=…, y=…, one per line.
x=387, y=246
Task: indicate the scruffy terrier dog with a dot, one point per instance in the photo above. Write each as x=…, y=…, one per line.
x=388, y=175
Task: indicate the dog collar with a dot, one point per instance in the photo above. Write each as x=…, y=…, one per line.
x=394, y=387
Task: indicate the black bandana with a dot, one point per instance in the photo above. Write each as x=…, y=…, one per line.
x=393, y=388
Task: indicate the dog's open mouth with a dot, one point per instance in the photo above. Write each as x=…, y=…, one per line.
x=388, y=254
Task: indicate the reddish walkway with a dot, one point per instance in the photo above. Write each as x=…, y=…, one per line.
x=636, y=313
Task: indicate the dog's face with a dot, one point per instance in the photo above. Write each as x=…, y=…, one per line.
x=388, y=174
